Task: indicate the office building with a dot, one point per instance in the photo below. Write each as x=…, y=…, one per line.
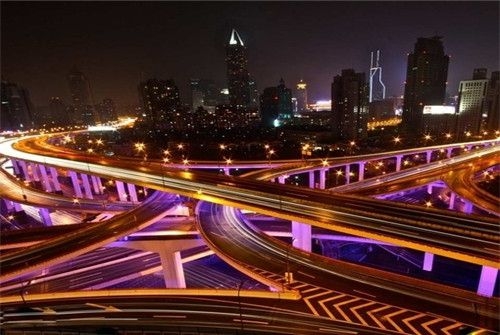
x=471, y=104
x=492, y=123
x=276, y=105
x=160, y=100
x=204, y=93
x=81, y=98
x=349, y=105
x=16, y=111
x=106, y=110
x=238, y=77
x=301, y=96
x=426, y=75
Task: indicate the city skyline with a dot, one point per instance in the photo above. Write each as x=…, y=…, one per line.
x=118, y=44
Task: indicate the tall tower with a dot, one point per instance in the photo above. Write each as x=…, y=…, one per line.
x=238, y=77
x=81, y=96
x=301, y=96
x=426, y=76
x=472, y=103
x=377, y=93
x=160, y=99
x=350, y=105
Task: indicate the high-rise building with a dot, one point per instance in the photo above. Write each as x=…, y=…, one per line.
x=426, y=75
x=106, y=110
x=276, y=105
x=238, y=77
x=16, y=111
x=492, y=103
x=204, y=93
x=471, y=103
x=81, y=97
x=350, y=105
x=58, y=110
x=377, y=87
x=160, y=99
x=301, y=96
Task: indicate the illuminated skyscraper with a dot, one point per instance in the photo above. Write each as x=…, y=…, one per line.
x=301, y=96
x=350, y=105
x=81, y=97
x=426, y=76
x=16, y=111
x=276, y=104
x=493, y=103
x=472, y=103
x=160, y=99
x=377, y=87
x=238, y=77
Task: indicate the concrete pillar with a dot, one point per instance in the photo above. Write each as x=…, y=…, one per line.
x=45, y=216
x=469, y=147
x=173, y=272
x=398, y=162
x=24, y=168
x=281, y=179
x=347, y=174
x=132, y=192
x=17, y=206
x=429, y=188
x=428, y=261
x=448, y=152
x=311, y=179
x=45, y=178
x=487, y=281
x=95, y=184
x=86, y=186
x=428, y=156
x=452, y=200
x=12, y=206
x=34, y=171
x=361, y=171
x=76, y=184
x=15, y=166
x=55, y=181
x=227, y=171
x=301, y=233
x=322, y=179
x=467, y=207
x=120, y=189
x=99, y=183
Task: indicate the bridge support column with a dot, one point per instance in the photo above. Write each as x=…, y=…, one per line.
x=120, y=189
x=487, y=281
x=301, y=236
x=132, y=192
x=76, y=184
x=347, y=174
x=311, y=179
x=86, y=186
x=34, y=172
x=428, y=261
x=322, y=179
x=12, y=206
x=24, y=168
x=45, y=178
x=95, y=184
x=45, y=216
x=451, y=205
x=448, y=152
x=15, y=166
x=227, y=171
x=428, y=156
x=281, y=179
x=173, y=271
x=361, y=171
x=398, y=162
x=55, y=181
x=429, y=188
x=467, y=207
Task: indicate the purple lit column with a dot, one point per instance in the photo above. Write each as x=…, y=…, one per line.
x=467, y=207
x=45, y=216
x=452, y=200
x=428, y=156
x=95, y=184
x=322, y=178
x=76, y=184
x=120, y=189
x=15, y=166
x=428, y=261
x=429, y=188
x=281, y=179
x=301, y=236
x=398, y=162
x=311, y=179
x=487, y=281
x=347, y=174
x=227, y=171
x=173, y=272
x=448, y=152
x=86, y=186
x=132, y=191
x=55, y=181
x=45, y=178
x=34, y=171
x=24, y=168
x=361, y=171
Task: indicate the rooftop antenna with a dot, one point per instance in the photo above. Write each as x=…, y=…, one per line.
x=374, y=69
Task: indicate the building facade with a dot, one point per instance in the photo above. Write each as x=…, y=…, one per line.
x=349, y=105
x=426, y=75
x=81, y=98
x=276, y=105
x=238, y=77
x=301, y=96
x=492, y=123
x=471, y=103
x=16, y=111
x=160, y=101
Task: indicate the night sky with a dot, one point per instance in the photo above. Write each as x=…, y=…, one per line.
x=115, y=43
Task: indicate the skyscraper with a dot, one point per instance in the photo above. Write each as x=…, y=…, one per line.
x=301, y=96
x=377, y=87
x=276, y=104
x=81, y=97
x=492, y=103
x=204, y=93
x=426, y=76
x=160, y=98
x=16, y=111
x=472, y=103
x=350, y=105
x=238, y=77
